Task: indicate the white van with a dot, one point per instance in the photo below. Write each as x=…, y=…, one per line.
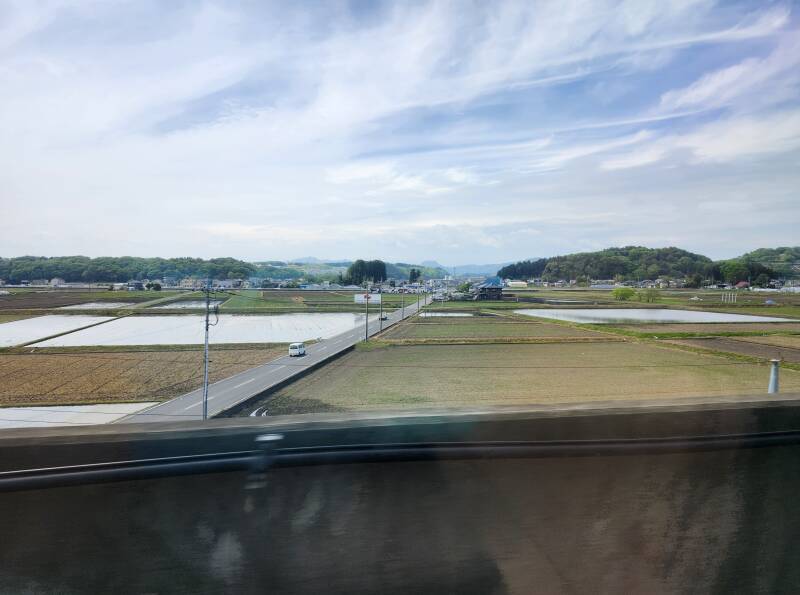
x=297, y=349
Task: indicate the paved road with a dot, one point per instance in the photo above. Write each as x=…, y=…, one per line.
x=226, y=393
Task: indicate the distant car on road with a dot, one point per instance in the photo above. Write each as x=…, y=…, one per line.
x=297, y=349
x=384, y=316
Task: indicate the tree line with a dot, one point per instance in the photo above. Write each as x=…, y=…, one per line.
x=639, y=263
x=362, y=271
x=77, y=269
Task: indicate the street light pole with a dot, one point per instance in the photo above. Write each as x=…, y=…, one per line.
x=366, y=317
x=205, y=352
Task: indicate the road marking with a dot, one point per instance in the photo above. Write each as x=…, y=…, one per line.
x=245, y=382
x=191, y=406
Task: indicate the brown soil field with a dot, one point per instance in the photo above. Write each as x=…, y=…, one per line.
x=55, y=299
x=745, y=347
x=779, y=340
x=114, y=377
x=715, y=327
x=476, y=375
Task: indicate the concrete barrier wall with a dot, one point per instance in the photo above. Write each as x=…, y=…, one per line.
x=714, y=519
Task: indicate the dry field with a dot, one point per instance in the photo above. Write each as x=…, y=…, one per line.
x=711, y=328
x=779, y=340
x=483, y=327
x=767, y=348
x=115, y=377
x=44, y=299
x=476, y=375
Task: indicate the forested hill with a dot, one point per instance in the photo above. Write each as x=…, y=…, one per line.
x=75, y=269
x=785, y=261
x=630, y=262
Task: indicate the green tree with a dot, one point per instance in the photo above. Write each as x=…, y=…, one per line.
x=734, y=271
x=650, y=295
x=464, y=287
x=695, y=280
x=414, y=275
x=623, y=294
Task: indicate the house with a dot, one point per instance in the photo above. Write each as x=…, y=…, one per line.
x=517, y=284
x=742, y=285
x=135, y=286
x=56, y=281
x=491, y=289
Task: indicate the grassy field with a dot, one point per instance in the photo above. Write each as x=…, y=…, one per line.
x=12, y=317
x=475, y=375
x=82, y=377
x=747, y=302
x=251, y=300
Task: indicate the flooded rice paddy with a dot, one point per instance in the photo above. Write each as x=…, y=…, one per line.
x=648, y=315
x=97, y=306
x=188, y=329
x=23, y=331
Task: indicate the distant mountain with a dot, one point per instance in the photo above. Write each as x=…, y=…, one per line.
x=477, y=269
x=466, y=269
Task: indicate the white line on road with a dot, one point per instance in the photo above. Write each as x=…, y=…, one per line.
x=245, y=382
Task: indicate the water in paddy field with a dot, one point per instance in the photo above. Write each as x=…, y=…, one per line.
x=18, y=332
x=188, y=329
x=186, y=305
x=648, y=315
x=444, y=314
x=97, y=306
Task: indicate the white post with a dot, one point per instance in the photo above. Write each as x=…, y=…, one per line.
x=773, y=376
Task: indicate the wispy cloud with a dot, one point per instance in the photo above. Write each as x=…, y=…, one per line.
x=269, y=127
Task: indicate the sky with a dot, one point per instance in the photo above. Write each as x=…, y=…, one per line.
x=461, y=132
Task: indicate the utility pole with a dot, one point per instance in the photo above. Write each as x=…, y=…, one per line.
x=403, y=309
x=366, y=316
x=205, y=352
x=380, y=312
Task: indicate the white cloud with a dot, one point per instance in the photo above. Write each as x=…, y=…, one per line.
x=725, y=85
x=722, y=141
x=271, y=128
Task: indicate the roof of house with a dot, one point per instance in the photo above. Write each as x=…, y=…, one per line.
x=492, y=283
